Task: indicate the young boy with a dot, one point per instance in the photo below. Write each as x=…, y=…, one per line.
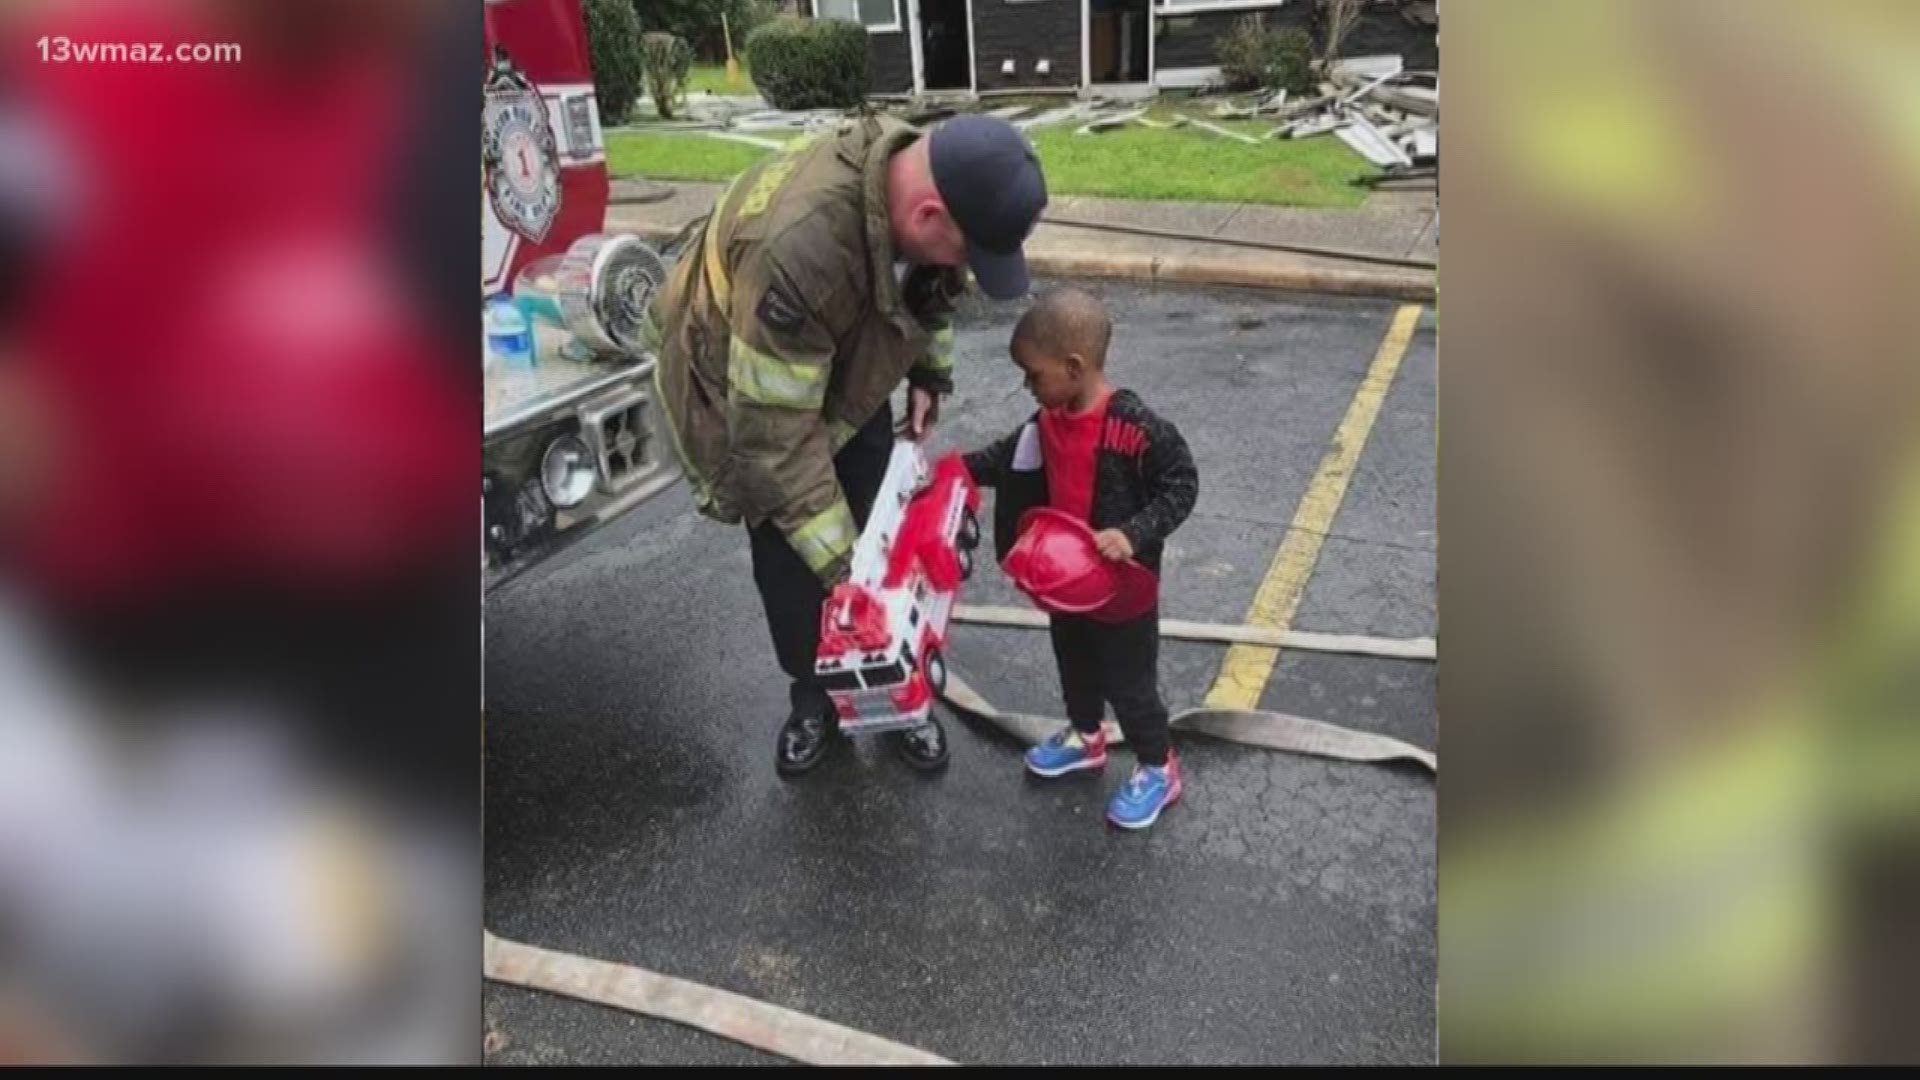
x=1100, y=455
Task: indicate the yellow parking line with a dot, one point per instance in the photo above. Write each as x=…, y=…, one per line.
x=1245, y=671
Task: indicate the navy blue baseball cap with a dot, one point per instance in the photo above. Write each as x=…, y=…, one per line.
x=989, y=177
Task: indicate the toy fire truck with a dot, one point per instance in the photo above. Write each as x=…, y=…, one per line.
x=883, y=631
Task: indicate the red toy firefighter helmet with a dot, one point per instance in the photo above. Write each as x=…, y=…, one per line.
x=1056, y=563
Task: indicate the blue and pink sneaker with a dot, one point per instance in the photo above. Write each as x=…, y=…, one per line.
x=1146, y=793
x=1066, y=751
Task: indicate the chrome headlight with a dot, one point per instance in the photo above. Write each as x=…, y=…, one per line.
x=567, y=472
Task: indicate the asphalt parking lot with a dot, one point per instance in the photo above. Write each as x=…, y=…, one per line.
x=1283, y=913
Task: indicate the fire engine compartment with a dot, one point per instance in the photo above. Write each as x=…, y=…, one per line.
x=600, y=411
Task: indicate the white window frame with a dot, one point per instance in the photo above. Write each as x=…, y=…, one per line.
x=920, y=61
x=813, y=6
x=1174, y=9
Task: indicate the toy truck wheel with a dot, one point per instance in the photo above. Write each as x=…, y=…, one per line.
x=936, y=671
x=965, y=556
x=969, y=531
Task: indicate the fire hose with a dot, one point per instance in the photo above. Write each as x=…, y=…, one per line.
x=811, y=1040
x=1248, y=727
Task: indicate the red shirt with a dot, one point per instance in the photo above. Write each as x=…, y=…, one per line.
x=1069, y=442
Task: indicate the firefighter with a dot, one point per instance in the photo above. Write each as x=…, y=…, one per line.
x=825, y=277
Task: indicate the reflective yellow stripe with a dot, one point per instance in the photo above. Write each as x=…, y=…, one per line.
x=717, y=282
x=767, y=380
x=939, y=358
x=826, y=538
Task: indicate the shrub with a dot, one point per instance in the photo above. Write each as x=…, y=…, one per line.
x=1252, y=57
x=1290, y=62
x=698, y=22
x=613, y=42
x=809, y=63
x=667, y=61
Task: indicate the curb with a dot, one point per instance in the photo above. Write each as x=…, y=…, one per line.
x=628, y=192
x=1207, y=271
x=1234, y=272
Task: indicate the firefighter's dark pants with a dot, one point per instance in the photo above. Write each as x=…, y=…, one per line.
x=792, y=593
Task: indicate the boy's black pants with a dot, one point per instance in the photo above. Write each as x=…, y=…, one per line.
x=790, y=592
x=1117, y=664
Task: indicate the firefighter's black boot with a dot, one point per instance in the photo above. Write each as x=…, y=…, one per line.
x=924, y=748
x=805, y=739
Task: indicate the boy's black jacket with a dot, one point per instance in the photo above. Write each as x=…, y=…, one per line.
x=1144, y=483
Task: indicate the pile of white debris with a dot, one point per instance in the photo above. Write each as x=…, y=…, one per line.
x=743, y=118
x=1388, y=115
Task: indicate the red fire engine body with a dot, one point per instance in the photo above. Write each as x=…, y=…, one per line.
x=883, y=632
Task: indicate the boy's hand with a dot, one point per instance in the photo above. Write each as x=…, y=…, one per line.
x=1113, y=545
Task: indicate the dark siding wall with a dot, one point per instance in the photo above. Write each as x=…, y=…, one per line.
x=1383, y=31
x=890, y=61
x=1191, y=41
x=1051, y=30
x=1188, y=41
x=1026, y=33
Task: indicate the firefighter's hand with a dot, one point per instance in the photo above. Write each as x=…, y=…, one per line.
x=1113, y=545
x=923, y=411
x=837, y=575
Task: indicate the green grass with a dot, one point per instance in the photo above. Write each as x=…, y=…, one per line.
x=712, y=79
x=1131, y=163
x=1197, y=166
x=677, y=155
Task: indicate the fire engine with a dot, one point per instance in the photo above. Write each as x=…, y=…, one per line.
x=883, y=633
x=568, y=444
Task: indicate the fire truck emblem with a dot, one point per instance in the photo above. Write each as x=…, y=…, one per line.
x=519, y=154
